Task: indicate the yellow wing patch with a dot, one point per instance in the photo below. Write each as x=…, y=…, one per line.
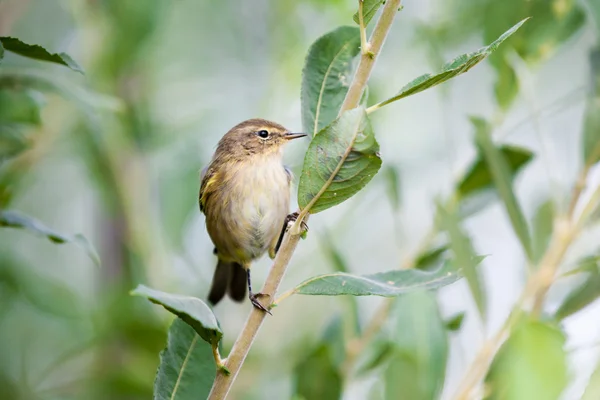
x=206, y=188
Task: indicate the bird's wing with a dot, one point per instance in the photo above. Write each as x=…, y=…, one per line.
x=207, y=179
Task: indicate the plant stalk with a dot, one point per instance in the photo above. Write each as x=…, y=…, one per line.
x=241, y=347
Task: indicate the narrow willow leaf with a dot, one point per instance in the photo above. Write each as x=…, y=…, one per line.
x=392, y=179
x=340, y=160
x=451, y=69
x=543, y=222
x=326, y=77
x=417, y=367
x=38, y=53
x=14, y=219
x=432, y=258
x=464, y=256
x=186, y=370
x=370, y=8
x=455, y=323
x=585, y=293
x=20, y=106
x=591, y=122
x=386, y=284
x=502, y=177
x=531, y=364
x=316, y=376
x=191, y=310
x=506, y=87
x=479, y=177
x=592, y=391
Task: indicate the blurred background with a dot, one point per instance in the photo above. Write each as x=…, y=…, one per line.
x=116, y=155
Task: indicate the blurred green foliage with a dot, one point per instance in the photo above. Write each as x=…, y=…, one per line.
x=127, y=140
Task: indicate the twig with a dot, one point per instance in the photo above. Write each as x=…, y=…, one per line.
x=566, y=229
x=367, y=61
x=241, y=347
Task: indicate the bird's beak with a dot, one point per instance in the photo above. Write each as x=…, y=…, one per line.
x=290, y=136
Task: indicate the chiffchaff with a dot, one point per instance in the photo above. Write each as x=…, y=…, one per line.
x=245, y=195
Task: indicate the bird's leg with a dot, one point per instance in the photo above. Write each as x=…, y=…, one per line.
x=254, y=297
x=290, y=218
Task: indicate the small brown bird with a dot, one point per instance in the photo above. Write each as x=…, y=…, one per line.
x=245, y=195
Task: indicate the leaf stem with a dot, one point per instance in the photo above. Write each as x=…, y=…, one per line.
x=241, y=347
x=284, y=296
x=365, y=47
x=217, y=356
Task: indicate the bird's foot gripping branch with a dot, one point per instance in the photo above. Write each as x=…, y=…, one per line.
x=342, y=158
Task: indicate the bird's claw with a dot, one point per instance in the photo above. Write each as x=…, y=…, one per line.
x=254, y=300
x=291, y=219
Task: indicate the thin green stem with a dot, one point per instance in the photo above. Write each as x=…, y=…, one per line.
x=364, y=45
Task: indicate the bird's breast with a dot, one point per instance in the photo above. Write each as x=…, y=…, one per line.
x=254, y=202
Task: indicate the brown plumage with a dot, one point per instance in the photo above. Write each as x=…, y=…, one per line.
x=244, y=194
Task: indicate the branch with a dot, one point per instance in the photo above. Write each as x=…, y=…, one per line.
x=241, y=347
x=367, y=59
x=566, y=229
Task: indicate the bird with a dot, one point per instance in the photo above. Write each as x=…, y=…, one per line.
x=245, y=195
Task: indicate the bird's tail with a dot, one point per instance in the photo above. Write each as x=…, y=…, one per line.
x=229, y=277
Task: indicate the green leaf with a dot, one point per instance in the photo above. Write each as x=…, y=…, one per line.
x=12, y=141
x=502, y=177
x=586, y=292
x=592, y=391
x=476, y=189
x=326, y=77
x=392, y=179
x=1, y=51
x=455, y=322
x=316, y=376
x=543, y=222
x=187, y=369
x=42, y=291
x=531, y=364
x=506, y=87
x=38, y=53
x=191, y=310
x=386, y=284
x=417, y=367
x=432, y=258
x=591, y=122
x=451, y=69
x=370, y=8
x=377, y=353
x=20, y=106
x=591, y=131
x=340, y=160
x=479, y=177
x=14, y=219
x=333, y=336
x=464, y=256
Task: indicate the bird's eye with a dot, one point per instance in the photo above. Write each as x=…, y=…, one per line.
x=263, y=134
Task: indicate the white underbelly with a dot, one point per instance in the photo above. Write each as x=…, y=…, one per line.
x=260, y=203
